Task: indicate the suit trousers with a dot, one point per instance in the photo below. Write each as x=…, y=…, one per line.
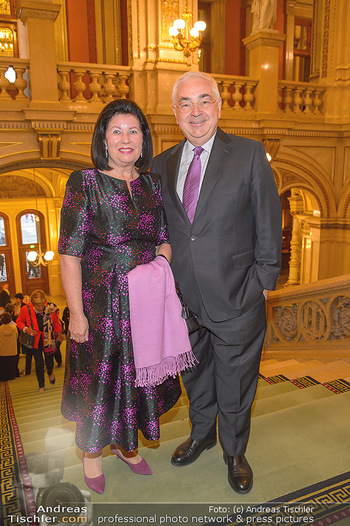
x=224, y=382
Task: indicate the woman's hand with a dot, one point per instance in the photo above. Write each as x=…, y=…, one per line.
x=59, y=337
x=78, y=328
x=30, y=331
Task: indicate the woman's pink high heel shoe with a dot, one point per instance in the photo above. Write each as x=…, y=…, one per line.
x=141, y=468
x=97, y=484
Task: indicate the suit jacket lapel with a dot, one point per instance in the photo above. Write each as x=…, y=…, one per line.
x=172, y=166
x=217, y=161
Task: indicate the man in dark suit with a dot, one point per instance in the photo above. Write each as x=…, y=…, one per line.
x=224, y=218
x=5, y=297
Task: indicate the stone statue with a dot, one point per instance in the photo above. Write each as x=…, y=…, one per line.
x=264, y=14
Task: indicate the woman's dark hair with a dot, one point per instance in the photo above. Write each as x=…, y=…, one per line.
x=19, y=295
x=121, y=107
x=6, y=318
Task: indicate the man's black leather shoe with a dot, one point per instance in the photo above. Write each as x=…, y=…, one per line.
x=190, y=450
x=240, y=475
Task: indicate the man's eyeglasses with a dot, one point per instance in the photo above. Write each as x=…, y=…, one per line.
x=187, y=106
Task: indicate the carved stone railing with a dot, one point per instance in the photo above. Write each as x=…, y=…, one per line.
x=237, y=93
x=92, y=82
x=301, y=98
x=13, y=91
x=313, y=317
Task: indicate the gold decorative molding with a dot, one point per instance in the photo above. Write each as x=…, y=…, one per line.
x=16, y=187
x=278, y=180
x=58, y=203
x=81, y=126
x=49, y=145
x=31, y=9
x=343, y=73
x=330, y=225
x=166, y=60
x=271, y=146
x=169, y=11
x=325, y=43
x=265, y=38
x=7, y=144
x=83, y=144
x=10, y=125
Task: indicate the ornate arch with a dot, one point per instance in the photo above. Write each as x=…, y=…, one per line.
x=291, y=174
x=344, y=203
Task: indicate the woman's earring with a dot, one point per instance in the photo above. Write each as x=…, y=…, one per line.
x=106, y=150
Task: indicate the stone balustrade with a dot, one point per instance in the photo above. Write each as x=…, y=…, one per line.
x=237, y=93
x=92, y=82
x=14, y=90
x=310, y=319
x=301, y=98
x=82, y=83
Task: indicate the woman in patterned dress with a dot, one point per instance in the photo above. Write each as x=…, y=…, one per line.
x=112, y=220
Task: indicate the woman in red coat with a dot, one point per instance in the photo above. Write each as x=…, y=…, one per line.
x=40, y=319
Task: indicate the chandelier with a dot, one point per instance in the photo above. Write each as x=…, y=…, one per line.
x=186, y=39
x=39, y=258
x=6, y=42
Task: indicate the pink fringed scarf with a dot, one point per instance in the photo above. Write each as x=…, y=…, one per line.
x=159, y=334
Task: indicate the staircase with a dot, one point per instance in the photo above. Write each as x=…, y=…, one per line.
x=299, y=424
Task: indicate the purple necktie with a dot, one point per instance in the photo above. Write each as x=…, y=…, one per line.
x=191, y=187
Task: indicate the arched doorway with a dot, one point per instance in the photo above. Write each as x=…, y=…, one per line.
x=31, y=237
x=6, y=257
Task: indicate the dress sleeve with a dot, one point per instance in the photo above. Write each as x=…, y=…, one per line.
x=163, y=235
x=75, y=217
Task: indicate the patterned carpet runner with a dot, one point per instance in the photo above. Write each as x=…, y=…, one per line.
x=336, y=386
x=17, y=498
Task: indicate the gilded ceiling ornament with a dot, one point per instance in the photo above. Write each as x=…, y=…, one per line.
x=169, y=12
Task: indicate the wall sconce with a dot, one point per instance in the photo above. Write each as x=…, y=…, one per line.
x=187, y=39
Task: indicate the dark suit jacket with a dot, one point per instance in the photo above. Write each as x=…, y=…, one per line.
x=232, y=251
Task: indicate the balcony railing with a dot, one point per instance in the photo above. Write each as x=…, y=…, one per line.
x=301, y=98
x=312, y=317
x=14, y=84
x=237, y=93
x=92, y=82
x=83, y=83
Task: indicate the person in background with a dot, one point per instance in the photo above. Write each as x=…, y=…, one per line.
x=8, y=347
x=40, y=320
x=26, y=299
x=18, y=303
x=112, y=220
x=224, y=217
x=58, y=355
x=5, y=297
x=65, y=319
x=10, y=308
